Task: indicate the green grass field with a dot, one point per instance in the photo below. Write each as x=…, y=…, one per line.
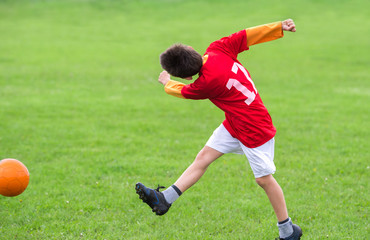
x=80, y=106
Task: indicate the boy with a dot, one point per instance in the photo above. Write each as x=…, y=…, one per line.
x=247, y=129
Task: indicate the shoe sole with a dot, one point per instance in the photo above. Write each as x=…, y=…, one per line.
x=140, y=191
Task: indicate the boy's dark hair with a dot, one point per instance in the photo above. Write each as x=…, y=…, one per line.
x=181, y=61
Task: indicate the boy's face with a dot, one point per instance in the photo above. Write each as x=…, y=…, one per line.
x=188, y=78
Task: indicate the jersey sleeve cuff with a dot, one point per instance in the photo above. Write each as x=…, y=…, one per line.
x=174, y=88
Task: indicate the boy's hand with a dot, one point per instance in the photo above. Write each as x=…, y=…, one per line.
x=164, y=77
x=288, y=25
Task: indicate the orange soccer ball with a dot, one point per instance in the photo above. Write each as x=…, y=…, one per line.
x=14, y=177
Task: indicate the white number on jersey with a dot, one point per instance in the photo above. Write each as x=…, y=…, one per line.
x=240, y=87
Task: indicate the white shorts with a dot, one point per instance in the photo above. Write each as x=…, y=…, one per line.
x=261, y=159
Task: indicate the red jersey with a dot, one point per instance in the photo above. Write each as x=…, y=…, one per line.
x=228, y=85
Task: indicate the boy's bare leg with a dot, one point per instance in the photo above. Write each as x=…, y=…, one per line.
x=160, y=202
x=196, y=170
x=275, y=195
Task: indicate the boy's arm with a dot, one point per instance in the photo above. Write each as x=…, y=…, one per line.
x=171, y=87
x=174, y=88
x=268, y=32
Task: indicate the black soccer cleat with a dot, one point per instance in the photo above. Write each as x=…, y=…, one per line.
x=296, y=235
x=154, y=198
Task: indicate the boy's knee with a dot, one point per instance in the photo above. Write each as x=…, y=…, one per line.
x=263, y=181
x=202, y=160
x=260, y=182
x=206, y=156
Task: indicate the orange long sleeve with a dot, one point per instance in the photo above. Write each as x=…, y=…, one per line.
x=264, y=33
x=174, y=88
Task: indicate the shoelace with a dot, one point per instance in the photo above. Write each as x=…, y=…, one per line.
x=159, y=187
